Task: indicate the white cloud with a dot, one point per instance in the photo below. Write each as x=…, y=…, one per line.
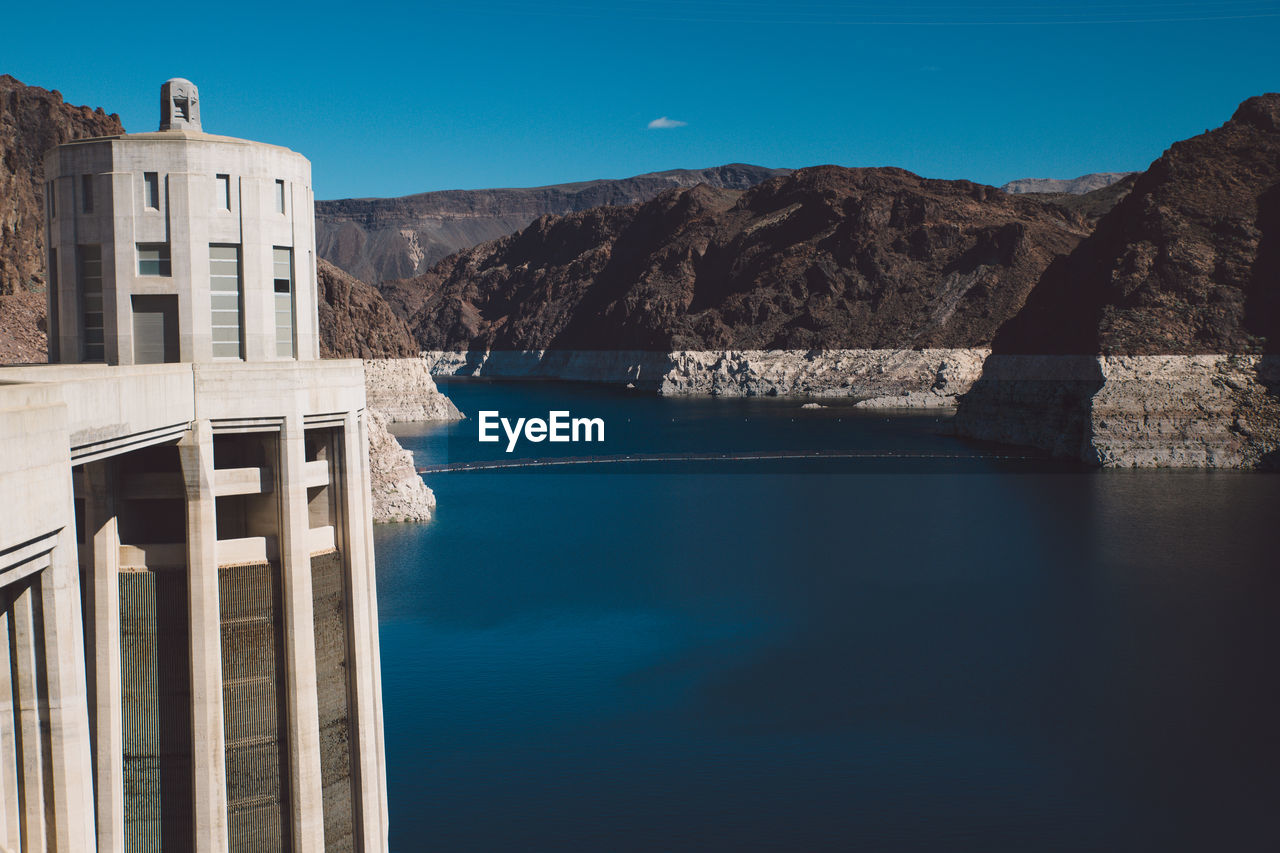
x=665, y=122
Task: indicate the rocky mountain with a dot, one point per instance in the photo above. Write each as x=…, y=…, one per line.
x=377, y=239
x=1154, y=343
x=1070, y=186
x=1187, y=263
x=355, y=321
x=33, y=120
x=827, y=257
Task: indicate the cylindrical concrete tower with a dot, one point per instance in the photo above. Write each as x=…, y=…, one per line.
x=188, y=605
x=180, y=245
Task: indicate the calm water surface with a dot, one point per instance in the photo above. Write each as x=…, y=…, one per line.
x=934, y=655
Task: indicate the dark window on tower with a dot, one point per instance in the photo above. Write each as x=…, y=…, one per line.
x=279, y=196
x=151, y=189
x=86, y=193
x=224, y=191
x=153, y=259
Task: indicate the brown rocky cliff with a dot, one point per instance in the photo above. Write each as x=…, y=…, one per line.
x=1188, y=263
x=355, y=321
x=825, y=258
x=33, y=120
x=379, y=239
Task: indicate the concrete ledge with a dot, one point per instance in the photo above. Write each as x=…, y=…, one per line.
x=316, y=474
x=242, y=481
x=254, y=549
x=167, y=555
x=321, y=539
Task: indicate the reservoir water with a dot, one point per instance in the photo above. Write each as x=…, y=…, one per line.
x=961, y=649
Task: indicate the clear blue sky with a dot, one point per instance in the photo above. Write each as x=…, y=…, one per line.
x=396, y=98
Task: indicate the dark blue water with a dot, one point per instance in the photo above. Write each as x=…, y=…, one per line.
x=916, y=655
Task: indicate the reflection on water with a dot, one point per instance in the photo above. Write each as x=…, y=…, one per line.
x=938, y=659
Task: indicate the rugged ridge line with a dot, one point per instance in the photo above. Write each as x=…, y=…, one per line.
x=1154, y=343
x=826, y=258
x=33, y=120
x=377, y=239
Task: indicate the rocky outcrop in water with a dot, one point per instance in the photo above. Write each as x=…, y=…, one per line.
x=401, y=389
x=398, y=491
x=377, y=239
x=1167, y=318
x=826, y=258
x=33, y=120
x=883, y=378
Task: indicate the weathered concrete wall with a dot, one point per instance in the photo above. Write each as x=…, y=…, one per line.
x=192, y=213
x=254, y=706
x=332, y=684
x=156, y=710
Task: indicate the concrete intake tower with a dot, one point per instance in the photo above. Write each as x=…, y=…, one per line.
x=188, y=613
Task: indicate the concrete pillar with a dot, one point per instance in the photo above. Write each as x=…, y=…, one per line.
x=208, y=737
x=349, y=489
x=303, y=715
x=102, y=651
x=29, y=749
x=69, y=767
x=10, y=814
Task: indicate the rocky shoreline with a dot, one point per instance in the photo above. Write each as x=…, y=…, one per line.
x=1165, y=411
x=1198, y=411
x=399, y=390
x=881, y=378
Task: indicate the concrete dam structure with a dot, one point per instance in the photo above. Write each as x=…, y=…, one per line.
x=188, y=614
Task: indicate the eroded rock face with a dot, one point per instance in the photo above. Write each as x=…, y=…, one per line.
x=377, y=239
x=1187, y=264
x=22, y=328
x=32, y=121
x=355, y=321
x=826, y=258
x=1199, y=411
x=1070, y=186
x=398, y=491
x=877, y=378
x=1175, y=411
x=1167, y=319
x=928, y=378
x=401, y=389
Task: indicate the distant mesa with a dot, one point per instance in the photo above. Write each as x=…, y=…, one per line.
x=1069, y=186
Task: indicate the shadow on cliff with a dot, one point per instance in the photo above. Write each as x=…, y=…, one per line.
x=1262, y=318
x=1041, y=401
x=1268, y=376
x=1262, y=302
